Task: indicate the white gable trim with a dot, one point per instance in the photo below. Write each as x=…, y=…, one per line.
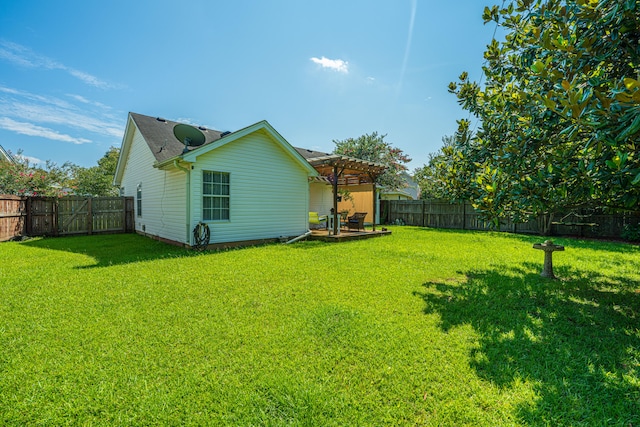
x=192, y=156
x=5, y=156
x=124, y=151
x=263, y=125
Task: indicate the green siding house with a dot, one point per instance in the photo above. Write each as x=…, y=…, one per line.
x=248, y=186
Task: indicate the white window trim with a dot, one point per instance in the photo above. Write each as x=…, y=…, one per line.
x=220, y=196
x=139, y=200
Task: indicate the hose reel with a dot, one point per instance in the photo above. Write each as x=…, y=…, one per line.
x=201, y=236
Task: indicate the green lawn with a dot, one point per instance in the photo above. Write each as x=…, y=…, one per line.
x=422, y=327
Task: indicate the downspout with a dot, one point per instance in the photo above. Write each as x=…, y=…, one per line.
x=302, y=236
x=188, y=196
x=375, y=205
x=375, y=197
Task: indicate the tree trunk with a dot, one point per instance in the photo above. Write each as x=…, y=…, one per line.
x=547, y=218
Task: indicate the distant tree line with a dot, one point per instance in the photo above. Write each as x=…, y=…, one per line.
x=373, y=147
x=23, y=178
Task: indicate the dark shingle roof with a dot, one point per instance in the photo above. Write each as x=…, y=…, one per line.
x=310, y=154
x=158, y=133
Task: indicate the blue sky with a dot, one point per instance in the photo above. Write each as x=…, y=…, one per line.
x=317, y=71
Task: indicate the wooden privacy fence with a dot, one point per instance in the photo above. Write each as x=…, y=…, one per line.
x=39, y=216
x=443, y=214
x=12, y=216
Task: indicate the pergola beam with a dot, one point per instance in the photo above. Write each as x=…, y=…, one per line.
x=335, y=165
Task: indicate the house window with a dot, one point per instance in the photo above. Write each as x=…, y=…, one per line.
x=215, y=196
x=139, y=199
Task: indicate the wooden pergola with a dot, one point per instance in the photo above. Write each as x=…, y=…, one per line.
x=334, y=167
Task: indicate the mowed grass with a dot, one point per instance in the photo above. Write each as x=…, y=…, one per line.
x=423, y=327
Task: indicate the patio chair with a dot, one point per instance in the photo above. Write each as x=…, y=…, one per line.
x=315, y=218
x=343, y=218
x=356, y=221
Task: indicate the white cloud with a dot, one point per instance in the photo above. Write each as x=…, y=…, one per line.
x=54, y=115
x=333, y=64
x=35, y=130
x=84, y=100
x=32, y=160
x=186, y=120
x=25, y=57
x=78, y=98
x=15, y=53
x=43, y=112
x=32, y=97
x=87, y=78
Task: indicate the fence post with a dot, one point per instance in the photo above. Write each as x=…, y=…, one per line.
x=89, y=216
x=393, y=206
x=464, y=215
x=29, y=217
x=124, y=214
x=54, y=216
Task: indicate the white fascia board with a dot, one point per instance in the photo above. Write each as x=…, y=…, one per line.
x=125, y=147
x=262, y=125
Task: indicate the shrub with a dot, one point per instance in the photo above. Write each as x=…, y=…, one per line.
x=631, y=232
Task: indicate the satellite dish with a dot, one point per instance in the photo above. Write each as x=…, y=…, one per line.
x=188, y=135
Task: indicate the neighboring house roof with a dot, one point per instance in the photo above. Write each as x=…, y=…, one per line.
x=5, y=155
x=166, y=148
x=311, y=154
x=397, y=193
x=412, y=189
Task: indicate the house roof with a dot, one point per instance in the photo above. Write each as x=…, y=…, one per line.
x=5, y=156
x=310, y=154
x=159, y=135
x=411, y=189
x=397, y=192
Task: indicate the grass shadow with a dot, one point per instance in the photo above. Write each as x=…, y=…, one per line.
x=114, y=249
x=569, y=241
x=111, y=249
x=577, y=341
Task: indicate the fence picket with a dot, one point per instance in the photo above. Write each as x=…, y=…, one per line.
x=37, y=216
x=443, y=214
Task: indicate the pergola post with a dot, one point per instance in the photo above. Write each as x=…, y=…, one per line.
x=336, y=225
x=375, y=201
x=333, y=166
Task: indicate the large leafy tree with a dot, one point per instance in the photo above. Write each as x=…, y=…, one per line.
x=98, y=180
x=433, y=176
x=22, y=178
x=559, y=112
x=374, y=148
